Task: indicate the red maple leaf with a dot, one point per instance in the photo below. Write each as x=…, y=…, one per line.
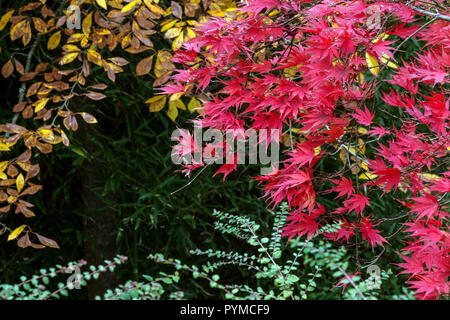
x=344, y=187
x=369, y=233
x=363, y=117
x=357, y=202
x=425, y=206
x=390, y=176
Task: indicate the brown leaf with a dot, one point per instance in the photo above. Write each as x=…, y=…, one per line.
x=47, y=242
x=5, y=209
x=99, y=86
x=12, y=128
x=46, y=148
x=8, y=182
x=19, y=66
x=7, y=69
x=28, y=112
x=28, y=76
x=24, y=241
x=32, y=172
x=95, y=95
x=177, y=10
x=31, y=190
x=27, y=34
x=12, y=171
x=19, y=107
x=89, y=118
x=25, y=156
x=119, y=61
x=161, y=80
x=40, y=25
x=144, y=66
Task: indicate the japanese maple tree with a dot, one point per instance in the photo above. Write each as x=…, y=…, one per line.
x=362, y=119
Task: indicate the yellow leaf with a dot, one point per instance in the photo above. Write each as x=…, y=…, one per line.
x=68, y=58
x=16, y=232
x=102, y=3
x=39, y=105
x=383, y=36
x=4, y=147
x=18, y=30
x=20, y=182
x=163, y=63
x=317, y=150
x=373, y=64
x=3, y=165
x=177, y=104
x=169, y=24
x=194, y=105
x=71, y=48
x=5, y=19
x=361, y=146
x=76, y=37
x=429, y=177
x=87, y=24
x=361, y=78
x=368, y=176
x=362, y=130
x=176, y=97
x=130, y=6
x=156, y=9
x=178, y=41
x=157, y=103
x=386, y=60
x=94, y=57
x=172, y=33
x=54, y=41
x=172, y=113
x=190, y=34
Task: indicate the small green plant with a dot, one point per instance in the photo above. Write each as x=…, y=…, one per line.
x=310, y=269
x=272, y=267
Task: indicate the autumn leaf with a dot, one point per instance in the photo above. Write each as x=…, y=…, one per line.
x=373, y=64
x=88, y=117
x=47, y=242
x=68, y=58
x=20, y=182
x=54, y=41
x=102, y=3
x=194, y=105
x=157, y=103
x=87, y=24
x=172, y=112
x=144, y=66
x=5, y=19
x=13, y=235
x=7, y=69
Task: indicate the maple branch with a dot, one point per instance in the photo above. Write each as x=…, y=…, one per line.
x=436, y=15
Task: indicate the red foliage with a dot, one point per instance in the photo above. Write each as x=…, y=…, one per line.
x=316, y=67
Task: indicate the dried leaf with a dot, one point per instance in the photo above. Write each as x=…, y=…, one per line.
x=144, y=66
x=88, y=117
x=47, y=242
x=7, y=69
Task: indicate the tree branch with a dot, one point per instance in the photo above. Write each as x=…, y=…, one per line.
x=431, y=14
